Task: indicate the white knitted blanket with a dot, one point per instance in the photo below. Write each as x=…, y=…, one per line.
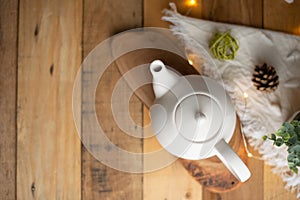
x=260, y=113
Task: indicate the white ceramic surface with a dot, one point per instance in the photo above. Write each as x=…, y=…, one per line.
x=193, y=118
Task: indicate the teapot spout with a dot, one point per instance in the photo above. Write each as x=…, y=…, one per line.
x=163, y=79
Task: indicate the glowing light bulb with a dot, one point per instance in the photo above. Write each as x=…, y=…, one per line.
x=191, y=2
x=250, y=155
x=246, y=95
x=190, y=62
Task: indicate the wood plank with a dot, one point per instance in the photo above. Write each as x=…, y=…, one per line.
x=153, y=11
x=49, y=56
x=102, y=19
x=274, y=186
x=245, y=13
x=170, y=182
x=8, y=80
x=280, y=16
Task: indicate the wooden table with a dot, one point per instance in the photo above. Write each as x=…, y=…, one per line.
x=42, y=44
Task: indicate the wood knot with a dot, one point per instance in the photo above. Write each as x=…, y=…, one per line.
x=36, y=32
x=32, y=188
x=51, y=69
x=188, y=195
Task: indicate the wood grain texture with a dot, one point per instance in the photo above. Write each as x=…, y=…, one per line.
x=279, y=16
x=8, y=80
x=37, y=120
x=246, y=13
x=48, y=59
x=274, y=187
x=102, y=19
x=98, y=180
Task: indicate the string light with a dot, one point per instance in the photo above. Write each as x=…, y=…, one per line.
x=191, y=3
x=245, y=96
x=194, y=60
x=249, y=154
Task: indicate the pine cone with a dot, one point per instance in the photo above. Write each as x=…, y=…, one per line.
x=265, y=78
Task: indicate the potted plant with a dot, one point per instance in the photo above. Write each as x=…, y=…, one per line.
x=289, y=134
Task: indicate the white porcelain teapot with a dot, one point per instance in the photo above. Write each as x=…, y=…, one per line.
x=193, y=118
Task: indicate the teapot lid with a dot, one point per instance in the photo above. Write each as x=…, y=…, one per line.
x=190, y=118
x=198, y=117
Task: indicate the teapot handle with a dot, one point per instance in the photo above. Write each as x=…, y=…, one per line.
x=232, y=161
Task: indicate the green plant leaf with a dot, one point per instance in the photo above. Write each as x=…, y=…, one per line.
x=295, y=148
x=293, y=167
x=291, y=157
x=273, y=136
x=283, y=128
x=279, y=142
x=291, y=141
x=264, y=137
x=288, y=125
x=289, y=135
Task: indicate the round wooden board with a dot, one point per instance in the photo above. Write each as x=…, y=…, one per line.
x=211, y=173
